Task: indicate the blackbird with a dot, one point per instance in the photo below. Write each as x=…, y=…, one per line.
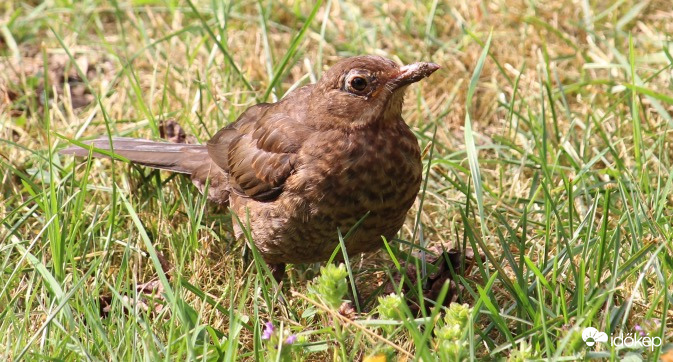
x=321, y=159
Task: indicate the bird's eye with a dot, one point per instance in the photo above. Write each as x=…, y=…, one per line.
x=358, y=83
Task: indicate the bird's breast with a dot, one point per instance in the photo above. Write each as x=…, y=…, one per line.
x=339, y=179
x=344, y=176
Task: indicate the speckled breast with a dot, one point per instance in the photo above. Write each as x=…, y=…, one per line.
x=376, y=176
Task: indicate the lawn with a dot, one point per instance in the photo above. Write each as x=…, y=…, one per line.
x=547, y=169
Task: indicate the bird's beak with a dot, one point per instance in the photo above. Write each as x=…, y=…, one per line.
x=413, y=73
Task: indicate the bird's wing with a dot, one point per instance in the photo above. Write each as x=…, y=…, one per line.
x=218, y=146
x=261, y=150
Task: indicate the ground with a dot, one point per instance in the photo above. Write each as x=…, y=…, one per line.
x=556, y=174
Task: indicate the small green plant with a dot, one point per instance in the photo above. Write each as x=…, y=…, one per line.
x=330, y=288
x=390, y=308
x=523, y=353
x=450, y=335
x=280, y=345
x=331, y=285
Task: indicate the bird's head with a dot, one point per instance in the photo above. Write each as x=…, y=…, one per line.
x=364, y=90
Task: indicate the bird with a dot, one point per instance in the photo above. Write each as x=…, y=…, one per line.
x=328, y=157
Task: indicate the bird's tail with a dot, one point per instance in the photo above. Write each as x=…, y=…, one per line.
x=175, y=157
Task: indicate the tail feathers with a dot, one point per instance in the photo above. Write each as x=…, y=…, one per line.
x=176, y=157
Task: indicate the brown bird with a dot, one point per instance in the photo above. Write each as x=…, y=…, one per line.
x=315, y=162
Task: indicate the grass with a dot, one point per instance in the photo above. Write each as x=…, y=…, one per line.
x=546, y=151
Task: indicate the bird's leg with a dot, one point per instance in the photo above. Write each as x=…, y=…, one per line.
x=278, y=271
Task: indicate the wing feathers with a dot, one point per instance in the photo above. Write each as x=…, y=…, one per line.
x=260, y=149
